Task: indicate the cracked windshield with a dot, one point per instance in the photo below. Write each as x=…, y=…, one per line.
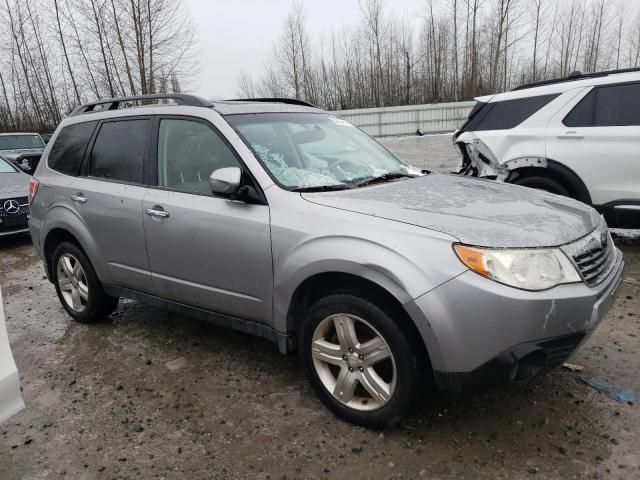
x=306, y=152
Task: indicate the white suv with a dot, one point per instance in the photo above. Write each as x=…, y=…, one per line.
x=578, y=136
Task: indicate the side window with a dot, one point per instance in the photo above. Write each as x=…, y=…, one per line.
x=615, y=105
x=118, y=152
x=188, y=153
x=582, y=113
x=66, y=154
x=507, y=113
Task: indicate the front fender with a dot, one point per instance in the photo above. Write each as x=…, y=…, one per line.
x=404, y=277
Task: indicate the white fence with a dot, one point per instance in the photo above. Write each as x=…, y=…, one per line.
x=393, y=121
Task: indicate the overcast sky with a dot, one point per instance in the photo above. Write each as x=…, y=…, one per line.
x=238, y=35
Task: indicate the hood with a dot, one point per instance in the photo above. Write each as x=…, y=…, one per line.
x=15, y=154
x=475, y=211
x=14, y=185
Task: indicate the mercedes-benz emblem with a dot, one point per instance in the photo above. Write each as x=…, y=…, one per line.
x=11, y=206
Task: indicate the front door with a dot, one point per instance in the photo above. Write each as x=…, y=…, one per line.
x=205, y=251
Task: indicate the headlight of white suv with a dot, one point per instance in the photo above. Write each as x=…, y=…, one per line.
x=529, y=269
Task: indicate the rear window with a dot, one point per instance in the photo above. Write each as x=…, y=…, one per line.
x=118, y=152
x=505, y=114
x=68, y=150
x=20, y=141
x=609, y=106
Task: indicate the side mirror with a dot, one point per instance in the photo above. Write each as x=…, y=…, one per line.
x=225, y=181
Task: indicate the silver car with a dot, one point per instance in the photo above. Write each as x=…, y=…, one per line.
x=22, y=149
x=14, y=207
x=285, y=221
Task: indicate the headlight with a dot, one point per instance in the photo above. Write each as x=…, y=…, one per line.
x=529, y=269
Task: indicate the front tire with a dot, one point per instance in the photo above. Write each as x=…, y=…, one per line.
x=543, y=183
x=77, y=285
x=360, y=362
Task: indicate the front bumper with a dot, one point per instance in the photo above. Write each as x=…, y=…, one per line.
x=518, y=363
x=480, y=333
x=13, y=225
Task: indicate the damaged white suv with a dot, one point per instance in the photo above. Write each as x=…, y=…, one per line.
x=577, y=136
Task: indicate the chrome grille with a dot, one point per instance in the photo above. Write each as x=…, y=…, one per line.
x=23, y=203
x=594, y=255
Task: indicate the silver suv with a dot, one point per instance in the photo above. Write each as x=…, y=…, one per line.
x=285, y=221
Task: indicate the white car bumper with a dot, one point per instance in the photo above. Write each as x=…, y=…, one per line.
x=10, y=397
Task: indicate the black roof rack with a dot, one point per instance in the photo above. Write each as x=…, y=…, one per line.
x=114, y=103
x=575, y=76
x=290, y=101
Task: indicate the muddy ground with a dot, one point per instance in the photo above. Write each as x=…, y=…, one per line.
x=103, y=403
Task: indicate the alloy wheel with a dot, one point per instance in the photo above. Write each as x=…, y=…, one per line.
x=72, y=282
x=354, y=362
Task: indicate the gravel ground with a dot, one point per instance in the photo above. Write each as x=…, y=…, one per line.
x=151, y=394
x=433, y=152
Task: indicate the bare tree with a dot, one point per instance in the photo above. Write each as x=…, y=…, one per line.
x=64, y=51
x=463, y=48
x=100, y=48
x=537, y=11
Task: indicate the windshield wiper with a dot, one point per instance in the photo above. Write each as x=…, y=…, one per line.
x=383, y=178
x=323, y=188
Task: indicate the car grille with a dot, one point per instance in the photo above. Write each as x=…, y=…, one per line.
x=23, y=207
x=593, y=263
x=594, y=255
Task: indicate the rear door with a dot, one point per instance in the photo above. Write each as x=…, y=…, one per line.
x=205, y=251
x=108, y=197
x=598, y=136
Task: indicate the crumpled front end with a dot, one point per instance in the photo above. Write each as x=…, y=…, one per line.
x=477, y=159
x=495, y=156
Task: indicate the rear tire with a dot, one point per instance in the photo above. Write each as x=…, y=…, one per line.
x=543, y=183
x=77, y=285
x=359, y=361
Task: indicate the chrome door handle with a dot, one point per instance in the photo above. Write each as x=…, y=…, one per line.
x=154, y=212
x=571, y=134
x=80, y=198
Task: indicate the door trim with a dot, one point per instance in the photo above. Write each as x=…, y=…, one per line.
x=206, y=287
x=284, y=341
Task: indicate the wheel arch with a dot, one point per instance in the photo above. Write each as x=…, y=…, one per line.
x=64, y=225
x=54, y=238
x=322, y=284
x=559, y=172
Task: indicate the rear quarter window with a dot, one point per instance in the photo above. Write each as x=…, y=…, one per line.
x=68, y=150
x=582, y=114
x=507, y=113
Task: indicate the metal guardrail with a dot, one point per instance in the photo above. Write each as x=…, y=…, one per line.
x=406, y=120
